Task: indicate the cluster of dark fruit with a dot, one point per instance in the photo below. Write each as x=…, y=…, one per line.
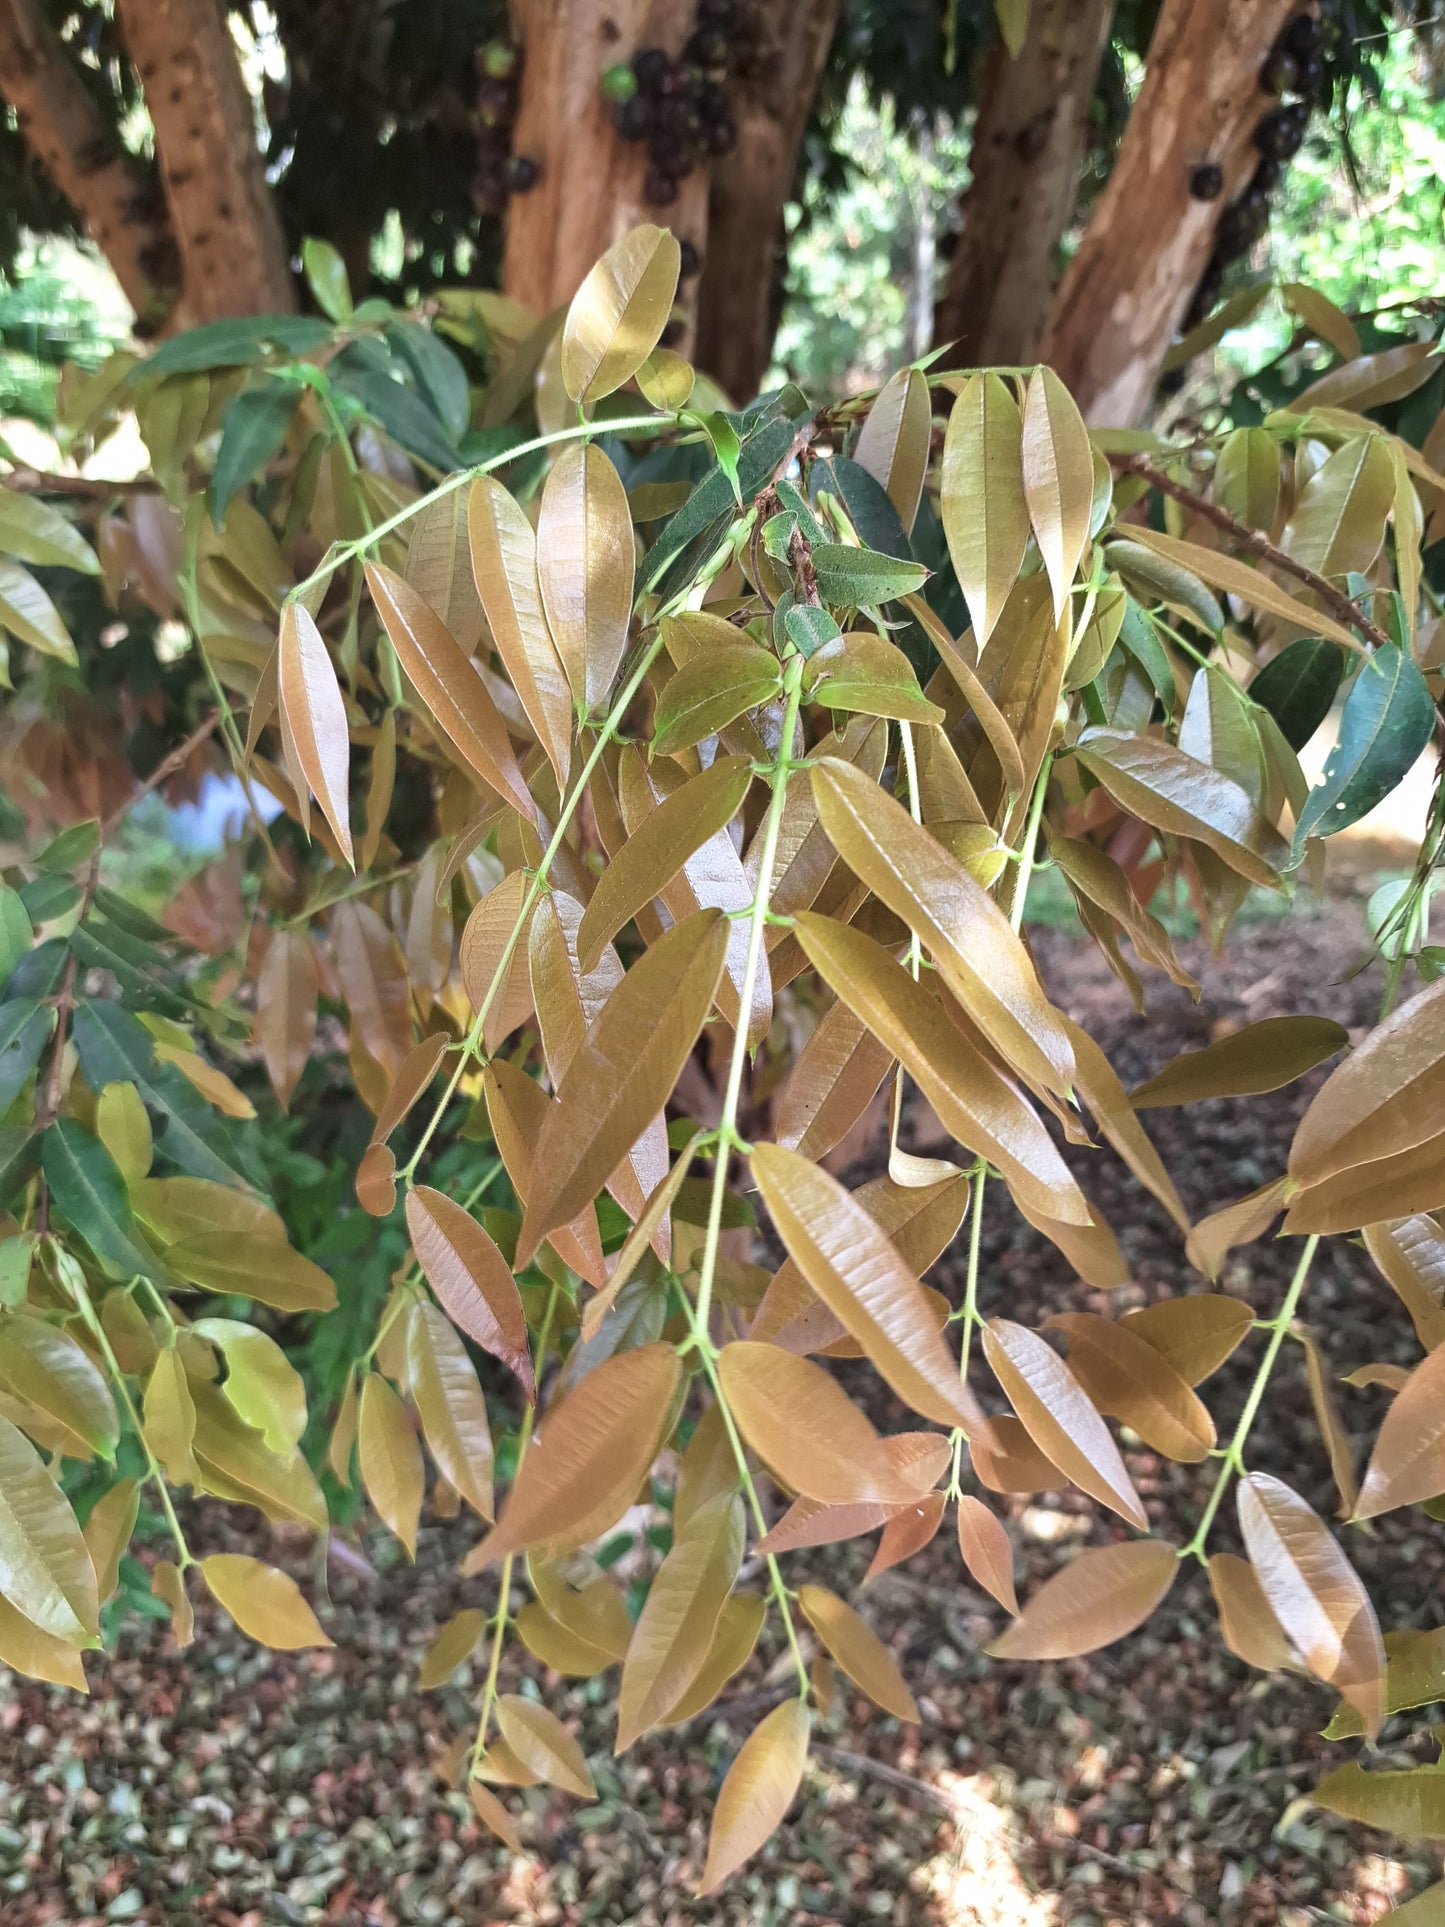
x=680, y=107
x=1294, y=67
x=499, y=172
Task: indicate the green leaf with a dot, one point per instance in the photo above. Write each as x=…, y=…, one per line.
x=438, y=374
x=850, y=578
x=1388, y=720
x=864, y=499
x=17, y=933
x=86, y=1186
x=33, y=531
x=707, y=693
x=254, y=429
x=72, y=847
x=24, y=1030
x=326, y=277
x=45, y=1569
x=1138, y=638
x=409, y=421
x=235, y=344
x=1298, y=685
x=115, y=1049
x=808, y=629
x=725, y=446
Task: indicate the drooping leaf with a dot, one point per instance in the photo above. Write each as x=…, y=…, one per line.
x=1387, y=721
x=108, y=1528
x=253, y=432
x=584, y=566
x=1059, y=1416
x=1018, y=1467
x=1246, y=1619
x=1195, y=1333
x=494, y=1816
x=494, y=961
x=32, y=530
x=1388, y=1096
x=452, y=1647
x=449, y=684
x=34, y=1654
x=906, y=1532
x=737, y=1632
x=1314, y=1593
x=893, y=444
x=976, y=951
x=286, y=993
x=518, y=1109
x=986, y=1551
x=168, y=1418
x=1247, y=477
x=45, y=1568
x=49, y=1370
x=28, y=614
x=758, y=1790
x=833, y=1080
x=674, y=1634
x=1298, y=686
x=619, y=312
x=504, y=559
x=1103, y=1593
x=1408, y=1462
x=1408, y=1801
x=1093, y=874
x=89, y=1191
x=543, y=1744
x=468, y=1273
x=391, y=1465
x=439, y=568
x=1237, y=578
x=662, y=843
x=857, y=1650
x=374, y=982
x=1410, y=1254
x=265, y=1603
x=591, y=1451
x=858, y=1273
x=623, y=1072
x=712, y=690
x=1127, y=1379
x=1171, y=791
x=802, y=1424
x=451, y=1407
x=1258, y=1057
x=1240, y=1223
x=1058, y=478
x=985, y=516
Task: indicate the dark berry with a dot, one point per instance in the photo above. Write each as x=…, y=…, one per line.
x=652, y=68
x=1266, y=175
x=671, y=334
x=498, y=59
x=690, y=261
x=618, y=83
x=658, y=188
x=1171, y=381
x=1278, y=136
x=1310, y=74
x=1279, y=74
x=720, y=136
x=522, y=174
x=496, y=102
x=672, y=157
x=716, y=13
x=1241, y=224
x=710, y=101
x=1301, y=35
x=1297, y=114
x=948, y=244
x=1206, y=182
x=636, y=118
x=707, y=49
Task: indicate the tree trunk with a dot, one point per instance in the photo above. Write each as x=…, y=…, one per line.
x=1148, y=240
x=1028, y=143
x=233, y=255
x=116, y=203
x=589, y=187
x=737, y=311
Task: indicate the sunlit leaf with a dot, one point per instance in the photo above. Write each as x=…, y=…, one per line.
x=857, y=1650
x=471, y=1278
x=757, y=1791
x=390, y=1458
x=266, y=1604
x=1103, y=1593
x=618, y=313
x=985, y=517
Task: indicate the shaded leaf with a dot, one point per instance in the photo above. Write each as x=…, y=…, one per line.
x=1246, y=1619
x=1408, y=1802
x=451, y=1407
x=265, y=1603
x=1298, y=686
x=543, y=1744
x=1408, y=1462
x=757, y=1791
x=390, y=1458
x=584, y=566
x=504, y=559
x=1237, y=578
x=286, y=994
x=858, y=1650
x=674, y=1634
x=1126, y=1378
x=1258, y=1057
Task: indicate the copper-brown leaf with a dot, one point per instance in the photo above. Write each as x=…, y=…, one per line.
x=1260, y=1057
x=1103, y=1593
x=1387, y=1098
x=757, y=1791
x=391, y=1466
x=585, y=567
x=471, y=1278
x=1128, y=1379
x=857, y=1650
x=315, y=717
x=286, y=993
x=1408, y=1462
x=674, y=1633
x=504, y=561
x=1246, y=1619
x=987, y=1551
x=1059, y=1416
x=1195, y=1333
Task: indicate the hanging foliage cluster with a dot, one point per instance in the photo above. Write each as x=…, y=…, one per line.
x=664, y=808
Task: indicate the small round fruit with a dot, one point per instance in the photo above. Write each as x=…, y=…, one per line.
x=498, y=59
x=1206, y=182
x=637, y=118
x=652, y=69
x=1171, y=381
x=1266, y=174
x=708, y=49
x=720, y=136
x=1279, y=75
x=690, y=261
x=523, y=173
x=1301, y=35
x=618, y=82
x=658, y=189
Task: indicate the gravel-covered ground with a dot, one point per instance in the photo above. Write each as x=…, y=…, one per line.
x=1158, y=1781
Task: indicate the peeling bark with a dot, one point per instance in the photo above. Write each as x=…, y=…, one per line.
x=749, y=191
x=116, y=202
x=1146, y=245
x=1028, y=144
x=233, y=255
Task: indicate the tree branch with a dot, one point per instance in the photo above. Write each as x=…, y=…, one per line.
x=93, y=488
x=1335, y=600
x=116, y=200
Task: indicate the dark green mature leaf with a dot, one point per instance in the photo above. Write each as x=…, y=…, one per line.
x=1386, y=724
x=400, y=410
x=86, y=1187
x=436, y=371
x=115, y=1049
x=866, y=503
x=234, y=344
x=1138, y=639
x=850, y=578
x=24, y=1028
x=1298, y=685
x=254, y=429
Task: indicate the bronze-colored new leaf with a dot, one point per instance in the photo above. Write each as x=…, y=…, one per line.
x=1195, y=1333
x=985, y=515
x=391, y=1465
x=451, y=1407
x=858, y=1273
x=1128, y=1379
x=504, y=560
x=1058, y=478
x=592, y=1449
x=1388, y=1097
x=618, y=313
x=544, y=1745
x=471, y=1278
x=286, y=993
x=624, y=1072
x=1408, y=1462
x=987, y=1551
x=1103, y=1593
x=1315, y=1593
x=1260, y=1057
x=1059, y=1416
x=758, y=1790
x=315, y=717
x=264, y=1602
x=1246, y=1618
x=584, y=567
x=674, y=1634
x=857, y=1650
